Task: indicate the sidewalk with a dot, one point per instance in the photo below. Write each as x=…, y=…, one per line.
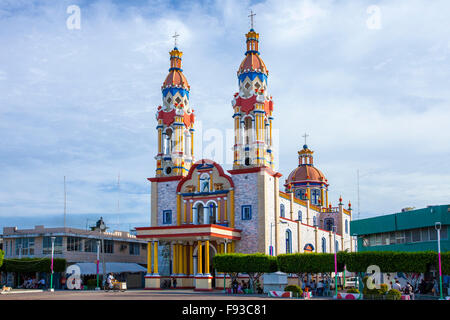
x=14, y=291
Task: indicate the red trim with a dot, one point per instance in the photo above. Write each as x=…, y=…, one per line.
x=164, y=179
x=288, y=219
x=257, y=169
x=152, y=277
x=211, y=234
x=204, y=161
x=203, y=289
x=189, y=226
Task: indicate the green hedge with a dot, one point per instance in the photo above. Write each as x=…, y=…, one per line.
x=255, y=265
x=308, y=263
x=33, y=265
x=417, y=262
x=301, y=263
x=245, y=263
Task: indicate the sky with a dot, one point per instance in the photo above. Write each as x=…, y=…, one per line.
x=367, y=80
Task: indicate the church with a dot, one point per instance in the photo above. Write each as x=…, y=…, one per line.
x=198, y=209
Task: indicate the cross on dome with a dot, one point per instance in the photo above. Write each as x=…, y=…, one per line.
x=305, y=136
x=251, y=18
x=175, y=36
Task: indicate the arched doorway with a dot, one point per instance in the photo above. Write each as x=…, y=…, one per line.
x=212, y=253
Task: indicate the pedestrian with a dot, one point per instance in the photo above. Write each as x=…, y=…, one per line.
x=320, y=288
x=235, y=285
x=63, y=282
x=397, y=285
x=410, y=290
x=174, y=282
x=435, y=287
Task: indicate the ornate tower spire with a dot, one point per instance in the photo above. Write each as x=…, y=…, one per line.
x=175, y=122
x=253, y=108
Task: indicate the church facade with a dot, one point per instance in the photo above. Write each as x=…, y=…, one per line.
x=198, y=209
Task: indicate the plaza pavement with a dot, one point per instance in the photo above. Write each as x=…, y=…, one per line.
x=138, y=295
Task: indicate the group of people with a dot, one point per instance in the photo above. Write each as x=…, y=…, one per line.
x=241, y=287
x=406, y=290
x=32, y=283
x=321, y=288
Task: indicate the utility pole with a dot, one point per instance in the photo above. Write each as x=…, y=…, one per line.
x=357, y=182
x=65, y=202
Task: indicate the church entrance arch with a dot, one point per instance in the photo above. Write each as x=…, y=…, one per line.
x=212, y=253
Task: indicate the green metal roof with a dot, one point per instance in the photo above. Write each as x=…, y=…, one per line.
x=425, y=217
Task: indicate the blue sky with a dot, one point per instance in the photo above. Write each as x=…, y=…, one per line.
x=81, y=103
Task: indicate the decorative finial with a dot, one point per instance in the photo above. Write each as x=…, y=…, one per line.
x=251, y=18
x=175, y=36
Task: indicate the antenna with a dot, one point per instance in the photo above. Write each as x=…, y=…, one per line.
x=118, y=201
x=65, y=213
x=357, y=183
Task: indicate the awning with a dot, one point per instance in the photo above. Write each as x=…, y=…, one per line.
x=114, y=267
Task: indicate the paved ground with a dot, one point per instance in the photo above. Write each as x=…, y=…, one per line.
x=135, y=295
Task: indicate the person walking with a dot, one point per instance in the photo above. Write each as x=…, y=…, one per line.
x=397, y=286
x=410, y=290
x=234, y=286
x=174, y=282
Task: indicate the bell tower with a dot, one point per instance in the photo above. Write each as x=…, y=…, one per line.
x=253, y=108
x=175, y=122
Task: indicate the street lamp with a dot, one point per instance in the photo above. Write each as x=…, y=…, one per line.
x=224, y=274
x=51, y=276
x=437, y=226
x=98, y=262
x=102, y=226
x=335, y=261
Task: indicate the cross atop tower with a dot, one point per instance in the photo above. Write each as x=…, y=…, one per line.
x=251, y=18
x=305, y=136
x=175, y=36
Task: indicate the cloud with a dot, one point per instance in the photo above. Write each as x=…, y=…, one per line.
x=81, y=103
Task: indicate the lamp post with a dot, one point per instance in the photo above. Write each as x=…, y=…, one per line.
x=224, y=274
x=437, y=226
x=335, y=262
x=51, y=267
x=98, y=263
x=102, y=227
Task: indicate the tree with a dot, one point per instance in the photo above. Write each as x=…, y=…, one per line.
x=2, y=255
x=255, y=265
x=33, y=265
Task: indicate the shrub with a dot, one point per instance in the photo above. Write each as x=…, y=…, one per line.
x=296, y=290
x=394, y=294
x=384, y=288
x=91, y=283
x=352, y=290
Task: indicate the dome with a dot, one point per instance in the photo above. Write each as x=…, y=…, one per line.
x=176, y=78
x=252, y=62
x=305, y=173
